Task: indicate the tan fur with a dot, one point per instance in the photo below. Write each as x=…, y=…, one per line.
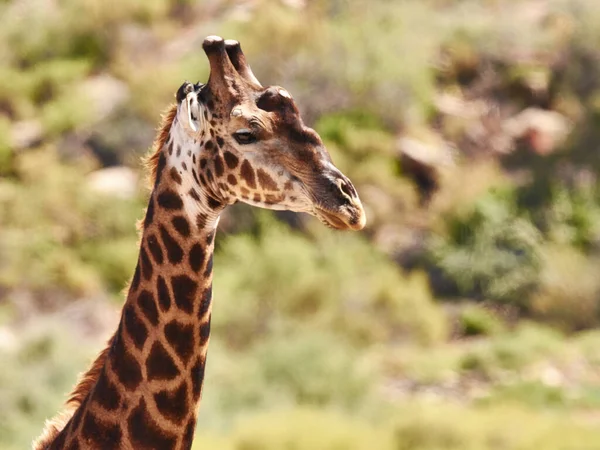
x=87, y=381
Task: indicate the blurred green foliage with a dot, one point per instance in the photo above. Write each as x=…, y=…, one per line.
x=324, y=340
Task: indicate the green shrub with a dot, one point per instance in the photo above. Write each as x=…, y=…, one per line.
x=568, y=296
x=474, y=320
x=6, y=152
x=306, y=429
x=491, y=252
x=531, y=393
x=313, y=368
x=35, y=379
x=573, y=217
x=55, y=231
x=512, y=352
x=422, y=426
x=338, y=282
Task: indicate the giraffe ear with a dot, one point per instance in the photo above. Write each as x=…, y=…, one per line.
x=224, y=79
x=237, y=58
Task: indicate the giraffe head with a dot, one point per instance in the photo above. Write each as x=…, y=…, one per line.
x=255, y=147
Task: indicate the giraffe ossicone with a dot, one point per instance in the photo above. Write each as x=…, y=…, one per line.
x=225, y=141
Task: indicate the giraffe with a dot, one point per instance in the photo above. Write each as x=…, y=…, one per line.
x=225, y=141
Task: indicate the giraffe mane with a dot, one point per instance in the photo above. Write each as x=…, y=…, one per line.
x=151, y=161
x=88, y=379
x=84, y=386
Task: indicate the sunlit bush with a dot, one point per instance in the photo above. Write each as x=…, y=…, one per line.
x=491, y=252
x=51, y=222
x=340, y=283
x=569, y=292
x=474, y=320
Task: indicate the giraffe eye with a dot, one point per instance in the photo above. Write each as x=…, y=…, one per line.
x=244, y=136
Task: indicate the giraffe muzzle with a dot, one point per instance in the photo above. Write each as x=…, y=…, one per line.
x=338, y=206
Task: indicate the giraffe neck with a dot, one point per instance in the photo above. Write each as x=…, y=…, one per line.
x=147, y=391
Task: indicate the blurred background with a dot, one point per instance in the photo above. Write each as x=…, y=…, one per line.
x=463, y=318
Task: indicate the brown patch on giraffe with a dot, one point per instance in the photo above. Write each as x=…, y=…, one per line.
x=182, y=226
x=195, y=175
x=247, y=173
x=186, y=442
x=288, y=186
x=173, y=404
x=169, y=199
x=213, y=203
x=193, y=193
x=175, y=175
x=99, y=434
x=197, y=375
x=219, y=167
x=135, y=327
x=184, y=290
x=231, y=160
x=220, y=141
x=205, y=300
x=148, y=306
x=203, y=163
x=145, y=432
x=245, y=192
x=204, y=333
x=149, y=214
x=160, y=365
x=184, y=166
x=210, y=237
x=209, y=144
x=196, y=257
x=163, y=135
x=58, y=442
x=178, y=153
x=201, y=221
x=135, y=281
x=265, y=181
x=145, y=263
x=78, y=416
x=130, y=373
x=208, y=174
x=181, y=338
x=170, y=148
x=162, y=163
x=73, y=446
x=164, y=297
x=209, y=267
x=257, y=198
x=107, y=394
x=155, y=249
x=273, y=198
x=174, y=250
x=231, y=179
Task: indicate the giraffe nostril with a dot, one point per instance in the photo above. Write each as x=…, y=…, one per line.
x=347, y=189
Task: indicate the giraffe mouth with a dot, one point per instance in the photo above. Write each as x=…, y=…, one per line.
x=342, y=220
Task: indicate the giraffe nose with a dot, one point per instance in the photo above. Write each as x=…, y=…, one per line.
x=347, y=189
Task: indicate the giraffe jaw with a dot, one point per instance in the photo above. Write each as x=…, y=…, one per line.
x=354, y=219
